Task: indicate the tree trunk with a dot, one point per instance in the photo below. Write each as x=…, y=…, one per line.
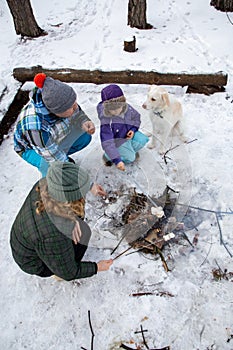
x=137, y=14
x=24, y=20
x=222, y=5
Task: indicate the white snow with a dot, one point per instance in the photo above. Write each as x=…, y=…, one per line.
x=188, y=36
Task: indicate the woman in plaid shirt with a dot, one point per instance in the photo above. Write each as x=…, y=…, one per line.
x=52, y=125
x=49, y=236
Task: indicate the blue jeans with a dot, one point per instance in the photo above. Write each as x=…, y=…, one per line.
x=129, y=148
x=42, y=165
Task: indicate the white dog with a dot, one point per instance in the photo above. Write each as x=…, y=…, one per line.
x=166, y=116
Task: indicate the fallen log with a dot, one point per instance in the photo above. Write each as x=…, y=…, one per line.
x=213, y=80
x=20, y=99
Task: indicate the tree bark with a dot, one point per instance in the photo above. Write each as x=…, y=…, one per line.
x=222, y=5
x=68, y=75
x=137, y=14
x=24, y=20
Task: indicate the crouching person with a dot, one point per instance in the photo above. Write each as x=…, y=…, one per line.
x=52, y=125
x=49, y=236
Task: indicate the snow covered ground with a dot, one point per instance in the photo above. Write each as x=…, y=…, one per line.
x=188, y=309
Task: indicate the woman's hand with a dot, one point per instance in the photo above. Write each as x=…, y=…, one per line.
x=104, y=265
x=98, y=190
x=76, y=233
x=121, y=166
x=89, y=127
x=130, y=134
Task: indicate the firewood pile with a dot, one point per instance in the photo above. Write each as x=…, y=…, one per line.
x=149, y=224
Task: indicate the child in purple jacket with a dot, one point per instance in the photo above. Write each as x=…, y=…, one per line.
x=119, y=124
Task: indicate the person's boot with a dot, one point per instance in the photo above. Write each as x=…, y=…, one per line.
x=71, y=160
x=107, y=162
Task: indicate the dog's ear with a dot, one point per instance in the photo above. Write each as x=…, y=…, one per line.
x=165, y=98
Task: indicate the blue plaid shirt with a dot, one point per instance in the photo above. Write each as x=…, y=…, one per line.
x=42, y=131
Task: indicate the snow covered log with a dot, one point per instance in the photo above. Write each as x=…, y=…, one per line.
x=202, y=83
x=20, y=99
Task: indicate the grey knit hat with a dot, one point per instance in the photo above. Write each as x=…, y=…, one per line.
x=67, y=182
x=57, y=96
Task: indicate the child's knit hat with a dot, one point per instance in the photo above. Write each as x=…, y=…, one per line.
x=67, y=182
x=57, y=96
x=113, y=98
x=111, y=92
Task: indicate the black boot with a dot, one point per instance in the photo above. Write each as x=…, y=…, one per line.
x=107, y=162
x=71, y=160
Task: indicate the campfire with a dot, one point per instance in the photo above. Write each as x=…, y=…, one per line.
x=149, y=224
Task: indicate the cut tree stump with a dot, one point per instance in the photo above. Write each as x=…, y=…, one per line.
x=130, y=45
x=198, y=83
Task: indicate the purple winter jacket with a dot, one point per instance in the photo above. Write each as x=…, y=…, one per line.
x=114, y=129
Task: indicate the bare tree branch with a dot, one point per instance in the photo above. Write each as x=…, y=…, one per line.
x=92, y=333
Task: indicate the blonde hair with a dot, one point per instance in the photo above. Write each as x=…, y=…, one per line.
x=68, y=210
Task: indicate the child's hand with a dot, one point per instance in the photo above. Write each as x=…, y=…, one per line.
x=98, y=190
x=121, y=166
x=130, y=134
x=89, y=127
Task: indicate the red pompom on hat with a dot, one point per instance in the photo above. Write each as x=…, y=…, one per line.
x=39, y=80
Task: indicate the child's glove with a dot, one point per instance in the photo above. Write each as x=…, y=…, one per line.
x=121, y=166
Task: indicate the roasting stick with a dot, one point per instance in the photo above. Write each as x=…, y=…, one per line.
x=126, y=250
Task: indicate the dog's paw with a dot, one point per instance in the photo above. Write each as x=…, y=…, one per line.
x=147, y=133
x=183, y=138
x=151, y=145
